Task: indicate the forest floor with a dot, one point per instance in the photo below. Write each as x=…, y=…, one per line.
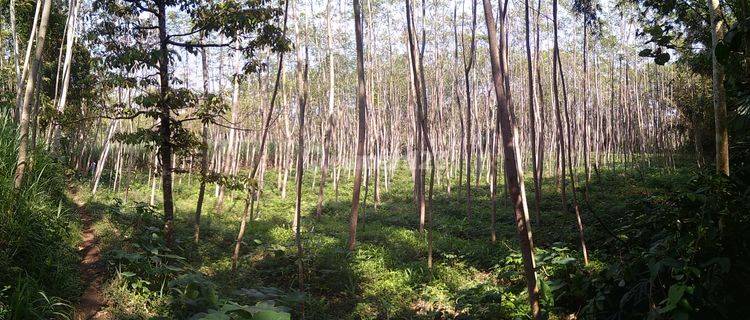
x=386, y=278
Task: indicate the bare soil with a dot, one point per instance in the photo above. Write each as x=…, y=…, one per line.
x=92, y=270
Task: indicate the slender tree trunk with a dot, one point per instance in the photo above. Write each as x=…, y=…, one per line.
x=252, y=188
x=542, y=118
x=421, y=102
x=165, y=131
x=231, y=151
x=155, y=165
x=301, y=103
x=457, y=88
x=24, y=121
x=70, y=40
x=467, y=83
x=514, y=177
x=558, y=116
x=329, y=126
x=532, y=115
x=204, y=152
x=571, y=142
x=103, y=156
x=719, y=94
x=20, y=88
x=14, y=34
x=362, y=108
x=585, y=121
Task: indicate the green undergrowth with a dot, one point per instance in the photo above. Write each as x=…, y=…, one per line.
x=38, y=234
x=649, y=257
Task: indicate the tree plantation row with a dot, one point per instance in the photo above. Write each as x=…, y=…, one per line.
x=496, y=105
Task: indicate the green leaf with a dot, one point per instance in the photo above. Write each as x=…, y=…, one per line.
x=271, y=315
x=174, y=268
x=645, y=53
x=662, y=58
x=564, y=261
x=172, y=256
x=675, y=294
x=215, y=315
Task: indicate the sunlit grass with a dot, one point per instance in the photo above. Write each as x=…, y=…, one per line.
x=387, y=276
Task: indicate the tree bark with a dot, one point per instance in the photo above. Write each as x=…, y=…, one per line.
x=24, y=121
x=20, y=97
x=511, y=165
x=14, y=34
x=204, y=153
x=467, y=84
x=70, y=40
x=165, y=127
x=301, y=103
x=719, y=94
x=532, y=115
x=362, y=108
x=103, y=156
x=329, y=126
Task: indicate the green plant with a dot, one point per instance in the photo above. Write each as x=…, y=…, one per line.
x=38, y=260
x=194, y=293
x=231, y=310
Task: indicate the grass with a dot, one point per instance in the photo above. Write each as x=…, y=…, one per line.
x=387, y=277
x=38, y=236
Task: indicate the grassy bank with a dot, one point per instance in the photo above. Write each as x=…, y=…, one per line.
x=38, y=233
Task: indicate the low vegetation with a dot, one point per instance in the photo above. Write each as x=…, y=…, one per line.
x=38, y=237
x=659, y=254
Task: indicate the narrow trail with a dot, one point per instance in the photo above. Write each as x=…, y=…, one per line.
x=91, y=269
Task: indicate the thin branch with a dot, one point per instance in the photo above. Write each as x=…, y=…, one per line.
x=199, y=45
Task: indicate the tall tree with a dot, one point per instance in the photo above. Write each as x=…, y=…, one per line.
x=231, y=149
x=719, y=93
x=70, y=39
x=24, y=119
x=252, y=185
x=14, y=35
x=330, y=122
x=468, y=65
x=361, y=127
x=511, y=162
x=103, y=155
x=126, y=29
x=21, y=86
x=203, y=150
x=422, y=126
x=532, y=114
x=301, y=104
x=558, y=116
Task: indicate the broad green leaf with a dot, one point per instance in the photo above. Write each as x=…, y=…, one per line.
x=215, y=315
x=271, y=315
x=675, y=294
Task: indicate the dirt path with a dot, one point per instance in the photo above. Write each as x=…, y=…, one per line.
x=92, y=270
